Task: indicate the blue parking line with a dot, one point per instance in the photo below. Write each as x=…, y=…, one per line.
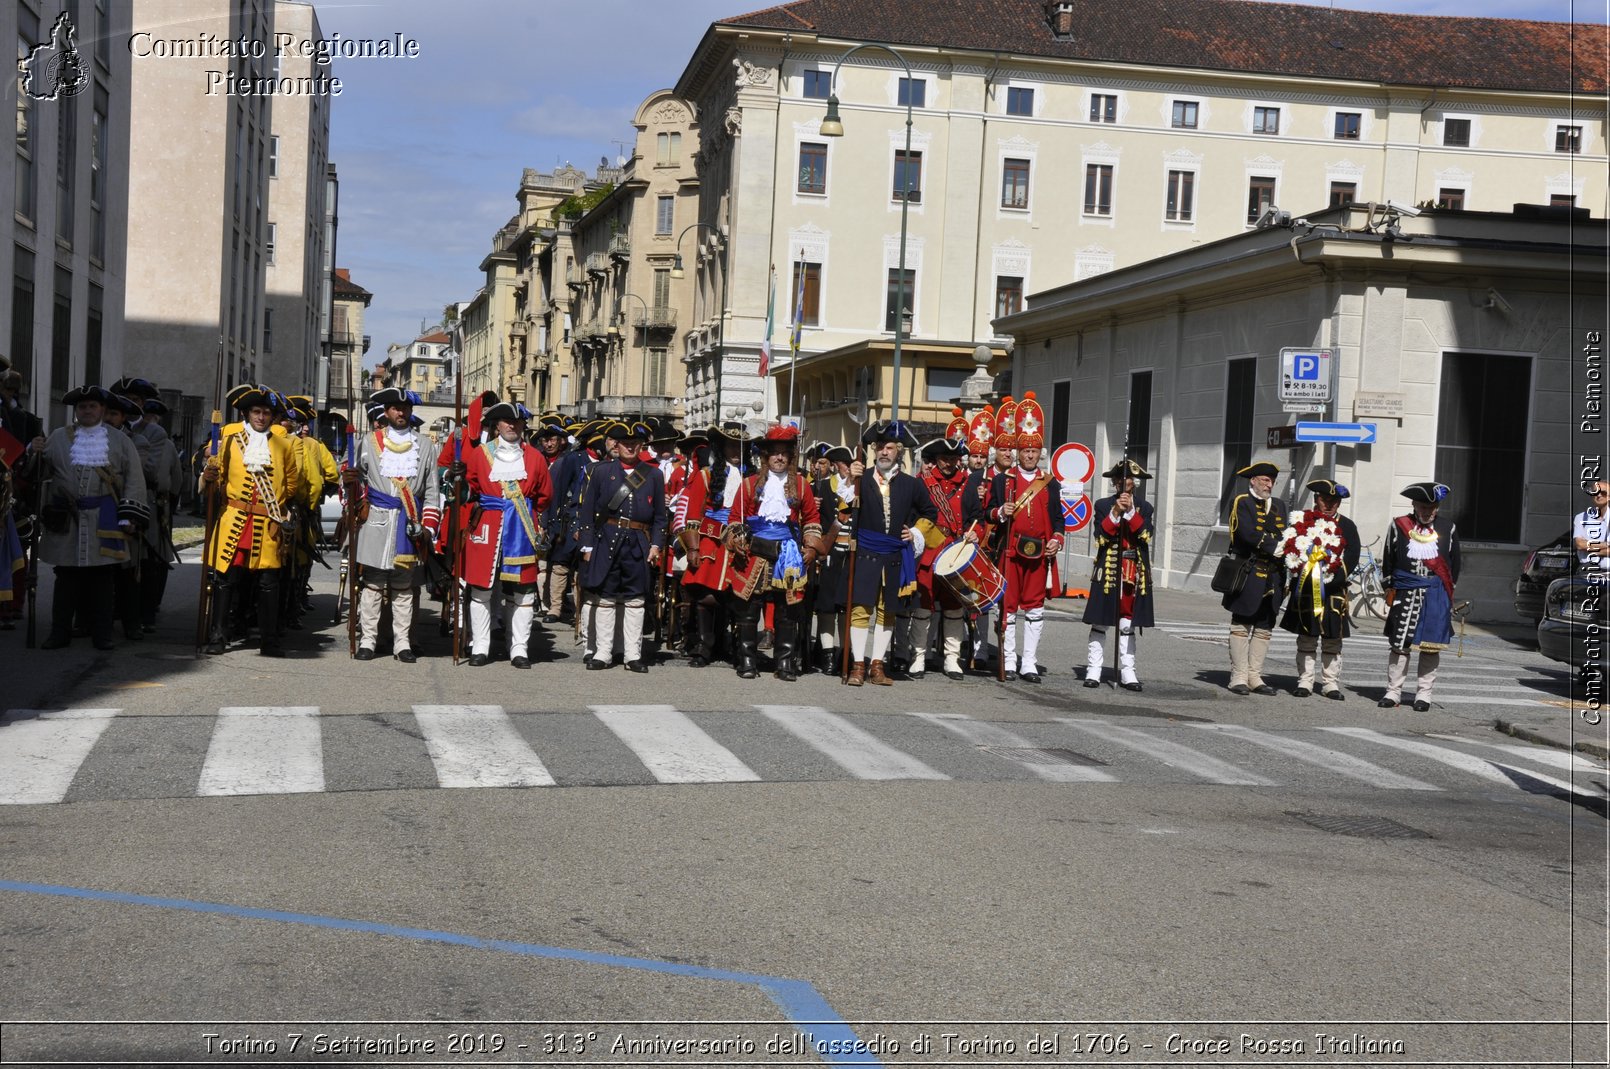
x=802, y=1005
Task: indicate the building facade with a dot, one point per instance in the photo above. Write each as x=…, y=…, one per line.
x=65, y=243
x=349, y=342
x=297, y=262
x=1469, y=343
x=1056, y=141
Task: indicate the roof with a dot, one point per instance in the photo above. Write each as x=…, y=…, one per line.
x=1250, y=36
x=343, y=286
x=436, y=337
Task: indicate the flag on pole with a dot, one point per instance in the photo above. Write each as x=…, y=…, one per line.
x=799, y=317
x=765, y=341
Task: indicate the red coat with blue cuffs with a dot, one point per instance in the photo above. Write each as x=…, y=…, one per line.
x=501, y=534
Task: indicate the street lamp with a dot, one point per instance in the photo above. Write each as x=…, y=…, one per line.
x=833, y=126
x=677, y=271
x=642, y=390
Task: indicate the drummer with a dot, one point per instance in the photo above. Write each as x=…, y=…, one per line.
x=946, y=481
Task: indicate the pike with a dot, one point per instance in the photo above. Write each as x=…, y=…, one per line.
x=849, y=580
x=209, y=579
x=351, y=522
x=455, y=607
x=31, y=567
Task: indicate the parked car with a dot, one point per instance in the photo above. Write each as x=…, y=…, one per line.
x=1575, y=627
x=1545, y=564
x=329, y=515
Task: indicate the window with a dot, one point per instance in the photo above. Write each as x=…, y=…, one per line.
x=1481, y=443
x=61, y=334
x=945, y=384
x=813, y=167
x=274, y=156
x=809, y=303
x=268, y=248
x=662, y=288
x=818, y=85
x=665, y=216
x=98, y=176
x=1456, y=133
x=1008, y=295
x=1139, y=431
x=1266, y=120
x=27, y=114
x=1061, y=395
x=1240, y=402
x=1562, y=200
x=1568, y=139
x=22, y=315
x=1098, y=189
x=1185, y=114
x=913, y=91
x=268, y=330
x=66, y=165
x=1343, y=193
x=1452, y=199
x=908, y=175
x=1015, y=184
x=103, y=50
x=1019, y=100
x=668, y=147
x=1260, y=197
x=92, y=334
x=900, y=298
x=1181, y=196
x=1348, y=125
x=1103, y=107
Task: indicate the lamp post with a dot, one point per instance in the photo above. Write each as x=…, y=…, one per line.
x=833, y=127
x=678, y=272
x=642, y=390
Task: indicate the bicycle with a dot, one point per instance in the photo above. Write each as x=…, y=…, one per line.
x=1366, y=592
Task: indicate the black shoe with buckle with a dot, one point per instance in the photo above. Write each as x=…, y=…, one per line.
x=1301, y=692
x=520, y=662
x=478, y=660
x=407, y=656
x=637, y=666
x=1387, y=703
x=364, y=653
x=1336, y=695
x=1421, y=706
x=1029, y=677
x=1265, y=689
x=1241, y=688
x=1091, y=684
x=1134, y=686
x=597, y=664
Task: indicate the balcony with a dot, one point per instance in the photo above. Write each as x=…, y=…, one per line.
x=576, y=278
x=620, y=248
x=590, y=329
x=597, y=264
x=660, y=317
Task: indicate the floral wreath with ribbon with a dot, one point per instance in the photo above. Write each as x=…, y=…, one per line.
x=1312, y=548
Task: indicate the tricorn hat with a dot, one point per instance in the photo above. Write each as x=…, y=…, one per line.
x=1430, y=493
x=891, y=430
x=1328, y=487
x=1127, y=468
x=944, y=447
x=247, y=396
x=87, y=393
x=143, y=389
x=126, y=405
x=503, y=410
x=778, y=436
x=840, y=454
x=390, y=396
x=154, y=407
x=1262, y=467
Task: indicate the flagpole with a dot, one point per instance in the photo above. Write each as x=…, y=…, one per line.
x=793, y=339
x=765, y=344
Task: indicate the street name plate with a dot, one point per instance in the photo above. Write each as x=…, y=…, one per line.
x=1388, y=403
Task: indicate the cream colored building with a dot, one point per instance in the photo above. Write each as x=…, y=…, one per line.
x=349, y=344
x=1056, y=141
x=64, y=244
x=1471, y=344
x=487, y=320
x=295, y=257
x=199, y=197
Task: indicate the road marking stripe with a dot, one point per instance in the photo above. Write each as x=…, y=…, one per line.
x=1540, y=754
x=1473, y=699
x=671, y=746
x=1170, y=753
x=41, y=751
x=1486, y=688
x=264, y=749
x=860, y=753
x=1477, y=766
x=1343, y=764
x=980, y=733
x=477, y=746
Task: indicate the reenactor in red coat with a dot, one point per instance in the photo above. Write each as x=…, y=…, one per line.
x=1027, y=504
x=775, y=536
x=701, y=525
x=508, y=487
x=946, y=481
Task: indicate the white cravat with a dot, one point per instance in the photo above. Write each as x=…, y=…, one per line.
x=257, y=455
x=91, y=448
x=396, y=464
x=774, y=498
x=508, y=462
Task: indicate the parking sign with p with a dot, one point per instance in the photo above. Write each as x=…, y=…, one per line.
x=1305, y=374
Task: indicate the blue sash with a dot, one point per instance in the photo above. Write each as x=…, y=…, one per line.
x=1436, y=616
x=517, y=535
x=789, y=571
x=878, y=542
x=113, y=544
x=723, y=515
x=12, y=560
x=403, y=546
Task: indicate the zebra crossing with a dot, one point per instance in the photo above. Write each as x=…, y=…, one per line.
x=98, y=754
x=1468, y=680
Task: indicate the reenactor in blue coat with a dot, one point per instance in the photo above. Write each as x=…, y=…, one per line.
x=623, y=526
x=1421, y=562
x=1257, y=519
x=561, y=524
x=1121, y=579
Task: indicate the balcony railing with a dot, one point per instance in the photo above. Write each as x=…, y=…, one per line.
x=576, y=278
x=620, y=247
x=597, y=263
x=660, y=317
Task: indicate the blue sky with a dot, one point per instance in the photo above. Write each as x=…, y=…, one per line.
x=430, y=150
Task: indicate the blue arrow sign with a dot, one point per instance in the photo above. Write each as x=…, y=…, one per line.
x=1346, y=433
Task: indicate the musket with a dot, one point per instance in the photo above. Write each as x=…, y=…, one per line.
x=454, y=563
x=1000, y=613
x=849, y=583
x=31, y=566
x=210, y=531
x=350, y=596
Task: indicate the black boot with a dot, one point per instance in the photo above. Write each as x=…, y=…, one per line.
x=223, y=602
x=63, y=598
x=268, y=612
x=748, y=639
x=829, y=661
x=785, y=648
x=99, y=600
x=704, y=643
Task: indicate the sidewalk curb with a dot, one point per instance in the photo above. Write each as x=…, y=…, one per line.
x=1525, y=734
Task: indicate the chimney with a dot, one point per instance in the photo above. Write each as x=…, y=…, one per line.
x=344, y=274
x=1059, y=13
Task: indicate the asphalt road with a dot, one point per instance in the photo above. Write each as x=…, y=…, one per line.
x=751, y=863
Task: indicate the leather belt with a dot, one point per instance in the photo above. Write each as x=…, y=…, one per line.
x=632, y=525
x=250, y=508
